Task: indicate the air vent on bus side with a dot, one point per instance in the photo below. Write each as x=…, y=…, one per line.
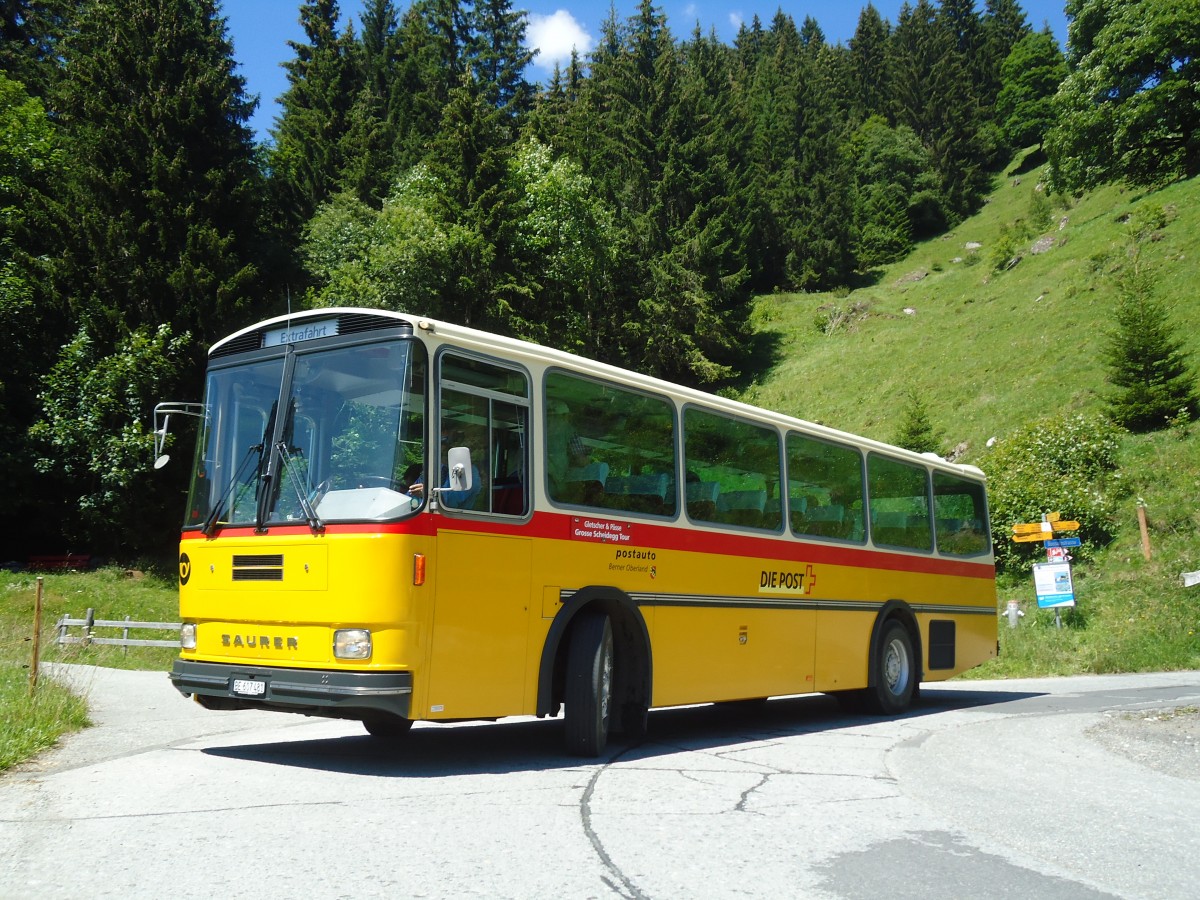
x=258, y=567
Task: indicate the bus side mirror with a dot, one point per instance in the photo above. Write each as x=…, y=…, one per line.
x=458, y=464
x=162, y=422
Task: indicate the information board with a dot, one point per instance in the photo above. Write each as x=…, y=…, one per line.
x=1052, y=582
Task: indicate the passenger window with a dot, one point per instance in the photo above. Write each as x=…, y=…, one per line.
x=609, y=447
x=960, y=515
x=825, y=489
x=899, y=501
x=485, y=407
x=732, y=470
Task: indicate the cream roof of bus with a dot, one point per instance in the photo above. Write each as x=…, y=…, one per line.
x=537, y=356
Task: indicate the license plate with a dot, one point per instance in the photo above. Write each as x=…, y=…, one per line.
x=249, y=688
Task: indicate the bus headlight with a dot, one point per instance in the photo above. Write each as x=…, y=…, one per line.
x=352, y=643
x=187, y=635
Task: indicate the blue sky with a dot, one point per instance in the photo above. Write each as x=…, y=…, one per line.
x=260, y=29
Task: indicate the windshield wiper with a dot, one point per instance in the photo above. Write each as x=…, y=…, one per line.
x=210, y=523
x=289, y=466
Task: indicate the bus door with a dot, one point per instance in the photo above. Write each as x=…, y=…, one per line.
x=483, y=566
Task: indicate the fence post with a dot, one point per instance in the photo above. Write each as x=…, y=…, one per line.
x=89, y=623
x=125, y=637
x=1141, y=511
x=37, y=637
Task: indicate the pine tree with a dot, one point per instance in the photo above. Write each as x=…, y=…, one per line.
x=1004, y=25
x=30, y=32
x=799, y=169
x=162, y=190
x=1145, y=357
x=932, y=94
x=373, y=126
x=159, y=208
x=497, y=53
x=307, y=159
x=868, y=49
x=916, y=431
x=701, y=287
x=434, y=35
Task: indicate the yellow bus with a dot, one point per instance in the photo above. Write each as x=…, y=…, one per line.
x=393, y=519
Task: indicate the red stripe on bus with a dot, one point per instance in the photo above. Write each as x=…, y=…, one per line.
x=559, y=526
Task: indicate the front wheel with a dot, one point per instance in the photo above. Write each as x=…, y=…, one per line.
x=588, y=690
x=894, y=668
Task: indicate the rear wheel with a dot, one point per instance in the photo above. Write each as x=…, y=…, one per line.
x=387, y=726
x=588, y=689
x=894, y=668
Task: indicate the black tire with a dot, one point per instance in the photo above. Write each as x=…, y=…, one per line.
x=588, y=689
x=894, y=671
x=634, y=721
x=387, y=726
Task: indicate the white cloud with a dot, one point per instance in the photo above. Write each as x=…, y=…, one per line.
x=736, y=20
x=555, y=36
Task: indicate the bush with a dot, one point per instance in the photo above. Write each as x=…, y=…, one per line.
x=1065, y=464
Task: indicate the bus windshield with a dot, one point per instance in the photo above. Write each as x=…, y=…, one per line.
x=340, y=431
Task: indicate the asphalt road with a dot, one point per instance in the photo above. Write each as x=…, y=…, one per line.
x=1051, y=788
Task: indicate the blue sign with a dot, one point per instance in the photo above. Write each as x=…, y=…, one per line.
x=1063, y=542
x=1052, y=582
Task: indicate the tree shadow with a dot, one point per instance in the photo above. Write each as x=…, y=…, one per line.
x=763, y=350
x=1033, y=159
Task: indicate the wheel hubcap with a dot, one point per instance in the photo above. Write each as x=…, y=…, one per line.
x=606, y=671
x=895, y=667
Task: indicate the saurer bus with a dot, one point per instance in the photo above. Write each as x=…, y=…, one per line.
x=393, y=519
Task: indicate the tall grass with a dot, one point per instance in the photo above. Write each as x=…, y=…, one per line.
x=31, y=722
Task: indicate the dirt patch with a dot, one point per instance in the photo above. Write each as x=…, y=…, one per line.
x=1165, y=740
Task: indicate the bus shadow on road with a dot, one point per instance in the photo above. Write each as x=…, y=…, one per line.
x=526, y=745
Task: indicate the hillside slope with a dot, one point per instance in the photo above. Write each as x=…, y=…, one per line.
x=987, y=350
x=992, y=349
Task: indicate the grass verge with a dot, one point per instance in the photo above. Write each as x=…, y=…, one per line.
x=31, y=722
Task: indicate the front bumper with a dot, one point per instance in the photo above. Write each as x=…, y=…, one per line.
x=314, y=692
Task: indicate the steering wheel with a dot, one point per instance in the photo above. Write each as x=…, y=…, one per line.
x=383, y=481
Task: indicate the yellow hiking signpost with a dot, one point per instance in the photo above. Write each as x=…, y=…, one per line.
x=1052, y=579
x=1042, y=531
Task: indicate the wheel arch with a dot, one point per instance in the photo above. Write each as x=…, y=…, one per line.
x=633, y=677
x=896, y=611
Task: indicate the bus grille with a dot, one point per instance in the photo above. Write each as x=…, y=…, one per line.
x=258, y=567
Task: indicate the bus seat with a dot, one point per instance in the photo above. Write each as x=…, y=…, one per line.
x=823, y=521
x=889, y=519
x=702, y=500
x=644, y=485
x=508, y=498
x=638, y=493
x=742, y=507
x=597, y=471
x=585, y=484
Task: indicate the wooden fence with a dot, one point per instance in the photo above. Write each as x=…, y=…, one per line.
x=89, y=623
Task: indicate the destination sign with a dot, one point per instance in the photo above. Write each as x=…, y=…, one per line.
x=307, y=331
